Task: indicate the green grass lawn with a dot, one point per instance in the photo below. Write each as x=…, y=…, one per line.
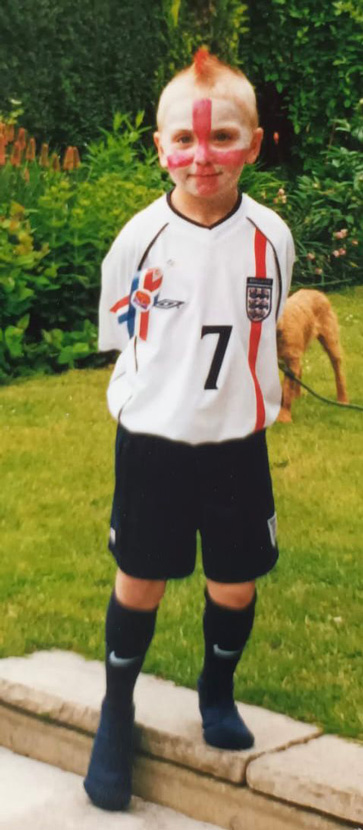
x=305, y=656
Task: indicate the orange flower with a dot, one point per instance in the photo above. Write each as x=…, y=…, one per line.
x=2, y=150
x=276, y=138
x=76, y=158
x=31, y=150
x=22, y=137
x=2, y=129
x=55, y=163
x=44, y=161
x=9, y=132
x=15, y=158
x=68, y=161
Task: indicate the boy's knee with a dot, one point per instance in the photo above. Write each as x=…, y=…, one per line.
x=139, y=594
x=231, y=595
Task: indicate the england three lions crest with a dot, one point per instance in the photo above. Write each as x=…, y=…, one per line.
x=258, y=298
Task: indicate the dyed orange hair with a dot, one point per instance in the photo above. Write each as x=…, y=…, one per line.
x=202, y=63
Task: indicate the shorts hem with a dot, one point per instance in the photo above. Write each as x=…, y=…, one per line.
x=143, y=573
x=248, y=576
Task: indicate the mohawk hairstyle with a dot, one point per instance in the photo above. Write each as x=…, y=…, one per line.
x=202, y=60
x=206, y=66
x=206, y=71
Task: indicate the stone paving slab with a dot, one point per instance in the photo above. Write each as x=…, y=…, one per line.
x=230, y=806
x=68, y=689
x=326, y=775
x=198, y=796
x=51, y=798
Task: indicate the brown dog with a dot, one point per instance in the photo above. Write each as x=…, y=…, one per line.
x=307, y=315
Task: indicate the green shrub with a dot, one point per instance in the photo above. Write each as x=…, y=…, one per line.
x=121, y=151
x=324, y=211
x=305, y=55
x=189, y=24
x=73, y=65
x=51, y=250
x=21, y=267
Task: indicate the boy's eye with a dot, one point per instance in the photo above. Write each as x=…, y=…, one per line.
x=183, y=139
x=222, y=136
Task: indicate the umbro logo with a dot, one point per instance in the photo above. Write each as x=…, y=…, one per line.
x=166, y=304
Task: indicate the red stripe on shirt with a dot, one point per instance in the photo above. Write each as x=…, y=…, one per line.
x=255, y=332
x=144, y=324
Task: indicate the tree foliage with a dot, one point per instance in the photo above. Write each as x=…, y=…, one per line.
x=307, y=55
x=219, y=24
x=73, y=66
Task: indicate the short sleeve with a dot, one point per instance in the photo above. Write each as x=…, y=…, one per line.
x=117, y=271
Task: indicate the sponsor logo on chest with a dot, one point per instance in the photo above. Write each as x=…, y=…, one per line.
x=167, y=304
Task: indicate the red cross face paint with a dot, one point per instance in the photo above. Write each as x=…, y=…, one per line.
x=206, y=143
x=206, y=150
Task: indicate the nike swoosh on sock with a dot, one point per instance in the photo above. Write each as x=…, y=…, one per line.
x=121, y=661
x=222, y=652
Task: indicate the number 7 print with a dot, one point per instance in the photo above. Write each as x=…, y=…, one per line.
x=224, y=333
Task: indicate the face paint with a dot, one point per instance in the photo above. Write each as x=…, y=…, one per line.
x=202, y=125
x=180, y=159
x=204, y=153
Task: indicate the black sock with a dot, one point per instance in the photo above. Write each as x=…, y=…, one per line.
x=226, y=632
x=128, y=635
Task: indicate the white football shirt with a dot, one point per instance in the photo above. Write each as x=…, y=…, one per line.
x=193, y=312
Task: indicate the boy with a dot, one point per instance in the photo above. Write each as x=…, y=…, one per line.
x=191, y=291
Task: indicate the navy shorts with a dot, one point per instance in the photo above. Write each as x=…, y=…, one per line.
x=166, y=491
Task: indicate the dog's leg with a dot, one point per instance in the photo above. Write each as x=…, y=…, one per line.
x=330, y=342
x=284, y=415
x=289, y=390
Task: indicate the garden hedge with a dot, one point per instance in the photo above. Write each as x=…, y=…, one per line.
x=73, y=65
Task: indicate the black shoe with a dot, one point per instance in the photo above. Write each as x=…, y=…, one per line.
x=109, y=778
x=223, y=726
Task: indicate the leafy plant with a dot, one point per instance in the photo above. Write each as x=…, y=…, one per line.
x=121, y=151
x=324, y=211
x=52, y=246
x=103, y=58
x=307, y=55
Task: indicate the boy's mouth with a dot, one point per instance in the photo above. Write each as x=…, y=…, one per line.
x=204, y=175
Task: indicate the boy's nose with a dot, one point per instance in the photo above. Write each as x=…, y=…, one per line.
x=202, y=155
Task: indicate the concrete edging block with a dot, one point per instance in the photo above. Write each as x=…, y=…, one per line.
x=49, y=710
x=68, y=689
x=326, y=775
x=192, y=793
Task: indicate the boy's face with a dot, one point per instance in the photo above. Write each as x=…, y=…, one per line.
x=204, y=143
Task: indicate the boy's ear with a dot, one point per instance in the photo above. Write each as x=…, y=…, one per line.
x=255, y=146
x=159, y=147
